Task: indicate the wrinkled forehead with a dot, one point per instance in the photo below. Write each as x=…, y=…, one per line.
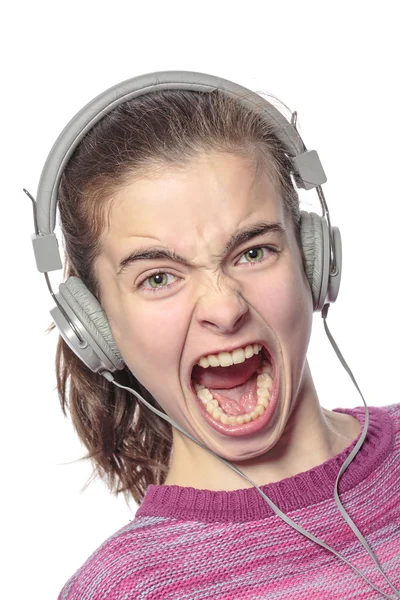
x=193, y=209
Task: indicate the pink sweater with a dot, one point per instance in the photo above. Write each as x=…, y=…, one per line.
x=195, y=544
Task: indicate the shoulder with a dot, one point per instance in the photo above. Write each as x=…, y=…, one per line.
x=393, y=408
x=115, y=568
x=393, y=411
x=381, y=414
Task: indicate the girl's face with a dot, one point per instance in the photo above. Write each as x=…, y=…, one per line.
x=200, y=260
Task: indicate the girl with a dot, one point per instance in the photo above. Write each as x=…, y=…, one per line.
x=193, y=278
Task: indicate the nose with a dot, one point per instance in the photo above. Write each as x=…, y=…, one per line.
x=223, y=310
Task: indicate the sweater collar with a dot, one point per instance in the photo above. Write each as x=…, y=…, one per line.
x=299, y=491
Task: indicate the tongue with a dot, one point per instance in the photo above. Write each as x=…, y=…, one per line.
x=223, y=378
x=234, y=387
x=238, y=400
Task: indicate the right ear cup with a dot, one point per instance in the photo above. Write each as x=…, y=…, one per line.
x=315, y=243
x=316, y=248
x=75, y=296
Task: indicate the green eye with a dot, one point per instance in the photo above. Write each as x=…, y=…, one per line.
x=257, y=255
x=159, y=280
x=254, y=254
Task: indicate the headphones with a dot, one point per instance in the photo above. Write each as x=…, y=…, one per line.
x=77, y=313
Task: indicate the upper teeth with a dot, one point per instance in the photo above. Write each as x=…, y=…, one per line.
x=226, y=359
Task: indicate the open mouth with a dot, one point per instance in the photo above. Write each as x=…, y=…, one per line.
x=235, y=389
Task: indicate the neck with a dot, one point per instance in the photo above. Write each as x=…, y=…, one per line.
x=312, y=435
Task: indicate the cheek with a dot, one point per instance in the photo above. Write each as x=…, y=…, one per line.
x=150, y=336
x=284, y=301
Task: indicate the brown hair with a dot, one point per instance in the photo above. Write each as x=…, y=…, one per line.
x=129, y=445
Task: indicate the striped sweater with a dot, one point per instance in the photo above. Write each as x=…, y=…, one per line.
x=189, y=543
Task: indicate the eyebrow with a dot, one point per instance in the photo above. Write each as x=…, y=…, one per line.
x=238, y=238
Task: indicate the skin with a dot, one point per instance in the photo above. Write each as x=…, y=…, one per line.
x=215, y=305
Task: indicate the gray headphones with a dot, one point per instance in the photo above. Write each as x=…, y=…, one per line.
x=77, y=313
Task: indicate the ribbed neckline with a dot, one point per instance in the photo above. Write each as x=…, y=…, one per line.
x=302, y=490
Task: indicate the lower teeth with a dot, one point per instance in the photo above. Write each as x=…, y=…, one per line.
x=264, y=386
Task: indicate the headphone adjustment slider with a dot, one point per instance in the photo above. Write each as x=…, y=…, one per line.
x=310, y=172
x=47, y=255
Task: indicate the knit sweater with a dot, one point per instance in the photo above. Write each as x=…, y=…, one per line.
x=190, y=543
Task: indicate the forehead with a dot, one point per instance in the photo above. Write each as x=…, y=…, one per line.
x=192, y=208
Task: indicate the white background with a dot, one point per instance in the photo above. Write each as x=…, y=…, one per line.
x=337, y=64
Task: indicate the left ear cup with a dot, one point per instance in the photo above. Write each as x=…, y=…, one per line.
x=91, y=315
x=315, y=243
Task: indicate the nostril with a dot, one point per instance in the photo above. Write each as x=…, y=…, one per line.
x=241, y=318
x=222, y=312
